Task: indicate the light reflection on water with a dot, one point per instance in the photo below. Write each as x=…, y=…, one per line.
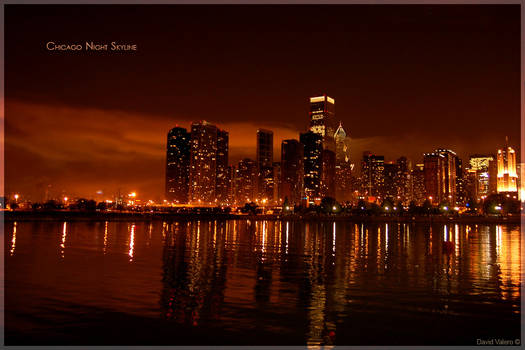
x=311, y=282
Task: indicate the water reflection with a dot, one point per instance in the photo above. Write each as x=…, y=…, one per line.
x=63, y=241
x=13, y=240
x=316, y=282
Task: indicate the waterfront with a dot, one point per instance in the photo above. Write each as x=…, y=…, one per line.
x=260, y=282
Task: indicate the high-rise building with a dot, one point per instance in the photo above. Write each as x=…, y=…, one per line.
x=246, y=181
x=203, y=163
x=322, y=119
x=343, y=166
x=461, y=183
x=507, y=174
x=521, y=185
x=265, y=183
x=177, y=165
x=313, y=164
x=292, y=171
x=403, y=180
x=480, y=166
x=390, y=174
x=372, y=175
x=418, y=184
x=434, y=173
x=277, y=197
x=328, y=174
x=223, y=181
x=449, y=183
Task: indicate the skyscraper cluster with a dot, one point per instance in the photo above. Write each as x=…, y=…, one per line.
x=317, y=165
x=311, y=168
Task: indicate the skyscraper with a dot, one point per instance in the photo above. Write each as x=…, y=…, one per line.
x=177, y=165
x=246, y=181
x=292, y=171
x=223, y=181
x=277, y=197
x=203, y=163
x=418, y=184
x=322, y=119
x=343, y=166
x=313, y=164
x=449, y=183
x=390, y=174
x=480, y=166
x=372, y=175
x=328, y=174
x=265, y=183
x=403, y=180
x=434, y=173
x=507, y=175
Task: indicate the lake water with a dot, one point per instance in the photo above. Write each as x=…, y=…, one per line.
x=260, y=283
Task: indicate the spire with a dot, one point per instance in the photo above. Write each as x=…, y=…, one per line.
x=340, y=133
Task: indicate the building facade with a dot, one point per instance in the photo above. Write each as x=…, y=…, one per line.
x=292, y=171
x=203, y=164
x=322, y=119
x=177, y=165
x=507, y=174
x=313, y=164
x=372, y=175
x=343, y=166
x=265, y=176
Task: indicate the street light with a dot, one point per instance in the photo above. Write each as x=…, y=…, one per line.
x=16, y=197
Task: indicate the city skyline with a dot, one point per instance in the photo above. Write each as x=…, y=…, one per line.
x=93, y=137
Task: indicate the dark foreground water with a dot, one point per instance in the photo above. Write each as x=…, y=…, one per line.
x=260, y=283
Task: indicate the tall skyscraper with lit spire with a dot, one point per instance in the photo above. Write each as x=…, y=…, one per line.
x=343, y=167
x=507, y=175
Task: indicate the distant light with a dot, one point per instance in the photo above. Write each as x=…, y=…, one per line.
x=456, y=208
x=132, y=194
x=65, y=199
x=387, y=208
x=497, y=207
x=334, y=208
x=287, y=208
x=16, y=196
x=445, y=208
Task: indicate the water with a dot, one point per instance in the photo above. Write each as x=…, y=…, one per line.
x=260, y=283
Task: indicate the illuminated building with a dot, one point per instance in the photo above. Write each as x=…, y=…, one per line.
x=403, y=180
x=434, y=176
x=223, y=181
x=246, y=181
x=481, y=167
x=322, y=119
x=507, y=175
x=418, y=184
x=521, y=185
x=328, y=174
x=390, y=174
x=265, y=164
x=313, y=164
x=343, y=167
x=177, y=165
x=277, y=197
x=372, y=175
x=440, y=175
x=292, y=171
x=461, y=182
x=204, y=152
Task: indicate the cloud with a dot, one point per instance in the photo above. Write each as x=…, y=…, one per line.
x=83, y=150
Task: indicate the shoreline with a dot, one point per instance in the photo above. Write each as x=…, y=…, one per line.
x=126, y=216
